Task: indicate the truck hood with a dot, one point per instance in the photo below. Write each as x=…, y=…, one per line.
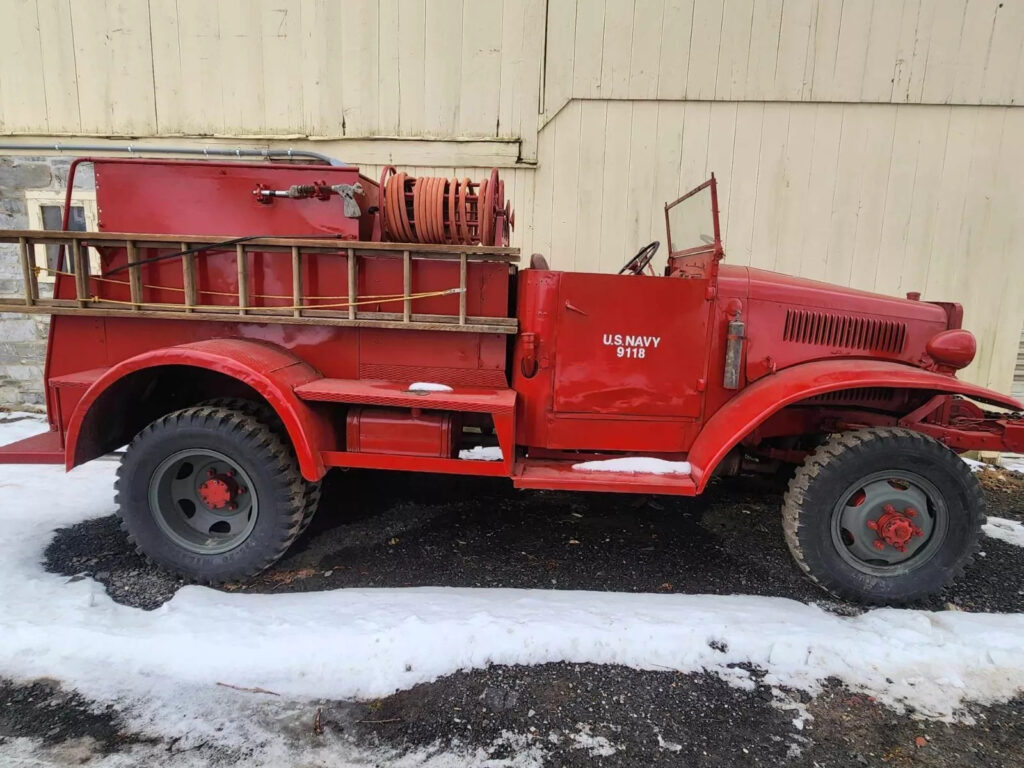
x=764, y=285
x=790, y=321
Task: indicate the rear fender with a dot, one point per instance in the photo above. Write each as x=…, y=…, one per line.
x=270, y=371
x=756, y=403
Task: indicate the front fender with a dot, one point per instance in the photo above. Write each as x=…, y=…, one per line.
x=269, y=370
x=741, y=415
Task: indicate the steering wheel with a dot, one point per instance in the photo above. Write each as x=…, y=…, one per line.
x=643, y=257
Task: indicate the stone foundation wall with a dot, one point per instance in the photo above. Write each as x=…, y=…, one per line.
x=23, y=337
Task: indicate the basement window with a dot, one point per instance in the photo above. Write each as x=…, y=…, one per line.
x=46, y=211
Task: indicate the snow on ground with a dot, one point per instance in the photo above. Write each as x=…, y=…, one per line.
x=18, y=426
x=640, y=464
x=429, y=386
x=1012, y=462
x=482, y=453
x=1009, y=531
x=163, y=666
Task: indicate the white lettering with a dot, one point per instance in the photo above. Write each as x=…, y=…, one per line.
x=618, y=340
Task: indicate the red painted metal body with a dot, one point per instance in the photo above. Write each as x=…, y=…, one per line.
x=601, y=366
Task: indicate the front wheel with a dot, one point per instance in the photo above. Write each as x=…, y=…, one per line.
x=210, y=493
x=883, y=516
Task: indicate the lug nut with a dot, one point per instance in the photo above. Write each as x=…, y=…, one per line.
x=232, y=505
x=210, y=473
x=242, y=490
x=230, y=473
x=878, y=544
x=888, y=508
x=910, y=512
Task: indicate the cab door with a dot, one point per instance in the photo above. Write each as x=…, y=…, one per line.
x=631, y=345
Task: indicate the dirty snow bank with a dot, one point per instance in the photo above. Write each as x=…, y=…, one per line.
x=647, y=465
x=164, y=664
x=1009, y=531
x=1011, y=462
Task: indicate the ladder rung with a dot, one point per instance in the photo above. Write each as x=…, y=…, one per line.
x=406, y=286
x=296, y=281
x=352, y=286
x=81, y=264
x=462, y=289
x=28, y=272
x=243, y=279
x=188, y=276
x=134, y=274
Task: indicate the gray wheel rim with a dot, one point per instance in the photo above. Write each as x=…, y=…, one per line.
x=203, y=501
x=904, y=500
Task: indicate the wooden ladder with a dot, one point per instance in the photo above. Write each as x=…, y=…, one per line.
x=301, y=312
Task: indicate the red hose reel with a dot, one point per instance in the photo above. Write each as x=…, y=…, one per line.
x=434, y=209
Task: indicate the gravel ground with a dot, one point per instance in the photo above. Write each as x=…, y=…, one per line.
x=379, y=530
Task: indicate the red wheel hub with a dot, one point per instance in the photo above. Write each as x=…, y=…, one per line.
x=220, y=491
x=895, y=528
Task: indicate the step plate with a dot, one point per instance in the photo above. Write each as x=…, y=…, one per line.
x=38, y=449
x=390, y=393
x=559, y=475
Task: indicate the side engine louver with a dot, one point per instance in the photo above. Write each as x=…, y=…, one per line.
x=858, y=395
x=835, y=330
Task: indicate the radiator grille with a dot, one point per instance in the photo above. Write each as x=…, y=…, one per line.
x=834, y=330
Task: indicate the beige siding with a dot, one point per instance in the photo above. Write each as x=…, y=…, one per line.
x=318, y=68
x=887, y=51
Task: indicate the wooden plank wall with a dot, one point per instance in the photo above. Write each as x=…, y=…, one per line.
x=880, y=51
x=276, y=68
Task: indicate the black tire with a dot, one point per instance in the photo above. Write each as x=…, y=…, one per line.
x=271, y=472
x=266, y=414
x=824, y=492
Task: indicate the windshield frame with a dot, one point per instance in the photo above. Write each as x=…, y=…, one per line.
x=715, y=247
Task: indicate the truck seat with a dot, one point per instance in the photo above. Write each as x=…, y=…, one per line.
x=537, y=261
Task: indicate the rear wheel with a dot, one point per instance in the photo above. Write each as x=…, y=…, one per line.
x=883, y=516
x=264, y=413
x=211, y=494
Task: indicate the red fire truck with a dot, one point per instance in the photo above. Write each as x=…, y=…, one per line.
x=245, y=327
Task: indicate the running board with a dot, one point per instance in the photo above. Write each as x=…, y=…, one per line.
x=554, y=475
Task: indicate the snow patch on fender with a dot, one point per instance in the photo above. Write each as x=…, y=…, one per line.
x=429, y=386
x=647, y=465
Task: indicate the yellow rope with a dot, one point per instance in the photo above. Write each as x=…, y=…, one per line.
x=382, y=298
x=222, y=307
